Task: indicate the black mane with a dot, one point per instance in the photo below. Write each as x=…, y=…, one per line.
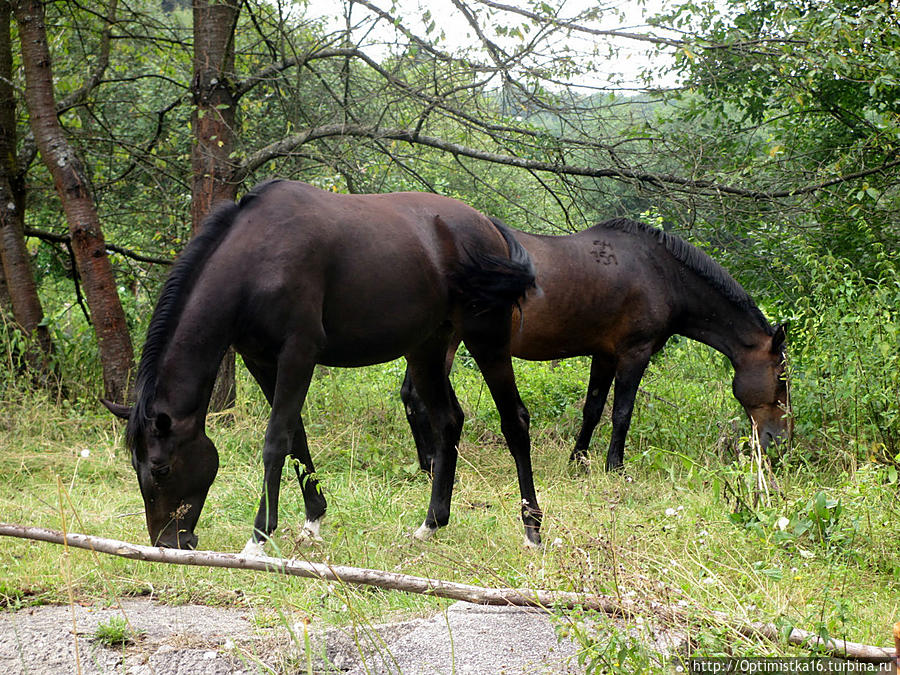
x=171, y=301
x=697, y=261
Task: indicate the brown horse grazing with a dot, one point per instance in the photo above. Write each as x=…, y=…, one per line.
x=293, y=276
x=617, y=292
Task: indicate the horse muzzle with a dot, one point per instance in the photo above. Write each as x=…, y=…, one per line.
x=181, y=540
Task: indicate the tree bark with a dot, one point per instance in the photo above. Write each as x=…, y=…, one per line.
x=20, y=287
x=213, y=122
x=5, y=300
x=72, y=185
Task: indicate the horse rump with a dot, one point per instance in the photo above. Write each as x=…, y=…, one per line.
x=486, y=281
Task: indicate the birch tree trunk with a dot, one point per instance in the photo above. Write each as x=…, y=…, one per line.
x=73, y=187
x=20, y=288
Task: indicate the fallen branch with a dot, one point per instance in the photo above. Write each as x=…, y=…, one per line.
x=520, y=597
x=340, y=573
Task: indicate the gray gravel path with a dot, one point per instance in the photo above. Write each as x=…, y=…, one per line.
x=200, y=640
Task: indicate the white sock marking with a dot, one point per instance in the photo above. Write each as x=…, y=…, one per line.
x=310, y=531
x=424, y=533
x=254, y=549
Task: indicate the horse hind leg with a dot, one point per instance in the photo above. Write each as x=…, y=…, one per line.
x=491, y=353
x=602, y=374
x=417, y=413
x=419, y=423
x=428, y=375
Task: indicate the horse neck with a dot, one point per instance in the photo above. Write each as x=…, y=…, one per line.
x=709, y=317
x=191, y=362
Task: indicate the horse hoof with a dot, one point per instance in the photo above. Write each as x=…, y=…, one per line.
x=531, y=545
x=254, y=549
x=310, y=531
x=424, y=533
x=580, y=466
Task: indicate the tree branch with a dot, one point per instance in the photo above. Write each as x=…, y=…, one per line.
x=572, y=25
x=520, y=597
x=66, y=239
x=82, y=92
x=285, y=146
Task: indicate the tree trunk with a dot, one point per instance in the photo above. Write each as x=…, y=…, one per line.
x=72, y=185
x=213, y=122
x=20, y=287
x=5, y=300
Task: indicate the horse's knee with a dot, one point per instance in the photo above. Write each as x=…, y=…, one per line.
x=517, y=425
x=276, y=448
x=622, y=418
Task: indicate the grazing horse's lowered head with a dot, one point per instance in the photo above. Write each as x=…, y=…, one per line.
x=173, y=491
x=760, y=385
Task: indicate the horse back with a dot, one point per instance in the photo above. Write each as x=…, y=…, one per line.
x=368, y=275
x=603, y=292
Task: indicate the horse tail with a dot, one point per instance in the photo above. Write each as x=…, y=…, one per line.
x=489, y=281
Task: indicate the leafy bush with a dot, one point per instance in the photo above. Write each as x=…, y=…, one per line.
x=844, y=342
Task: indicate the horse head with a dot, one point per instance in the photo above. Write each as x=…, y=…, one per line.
x=175, y=464
x=760, y=385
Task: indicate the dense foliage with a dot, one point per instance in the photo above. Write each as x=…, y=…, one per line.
x=776, y=153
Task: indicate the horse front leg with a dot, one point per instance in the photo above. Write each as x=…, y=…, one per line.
x=314, y=503
x=602, y=374
x=628, y=377
x=294, y=373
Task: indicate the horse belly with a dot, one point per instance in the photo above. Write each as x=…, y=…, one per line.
x=381, y=313
x=591, y=321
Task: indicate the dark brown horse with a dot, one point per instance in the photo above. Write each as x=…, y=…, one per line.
x=617, y=292
x=293, y=276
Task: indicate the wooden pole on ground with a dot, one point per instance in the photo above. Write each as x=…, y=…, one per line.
x=520, y=597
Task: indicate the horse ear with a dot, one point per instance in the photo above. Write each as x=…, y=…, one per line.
x=778, y=338
x=117, y=409
x=163, y=423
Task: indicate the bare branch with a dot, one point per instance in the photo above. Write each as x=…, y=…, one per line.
x=66, y=239
x=285, y=146
x=573, y=25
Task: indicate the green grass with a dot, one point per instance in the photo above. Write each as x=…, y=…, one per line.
x=115, y=632
x=671, y=530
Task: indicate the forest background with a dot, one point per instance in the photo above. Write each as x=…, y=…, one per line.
x=774, y=145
